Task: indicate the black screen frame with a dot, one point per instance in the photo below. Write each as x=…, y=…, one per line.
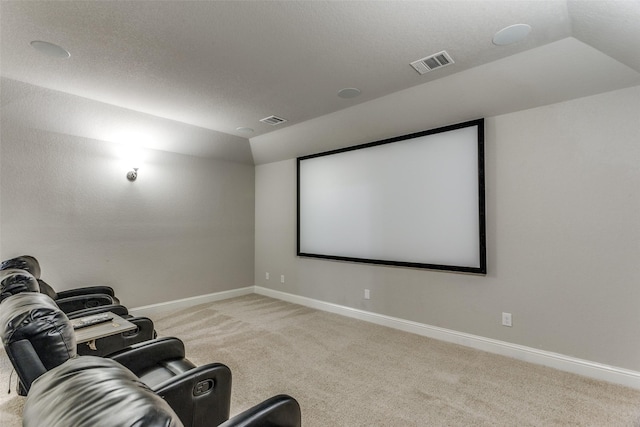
x=482, y=269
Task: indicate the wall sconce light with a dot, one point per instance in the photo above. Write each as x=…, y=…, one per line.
x=132, y=175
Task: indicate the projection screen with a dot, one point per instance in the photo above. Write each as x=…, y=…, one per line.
x=415, y=201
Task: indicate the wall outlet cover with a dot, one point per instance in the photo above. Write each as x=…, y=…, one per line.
x=506, y=319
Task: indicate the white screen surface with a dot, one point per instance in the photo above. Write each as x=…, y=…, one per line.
x=414, y=201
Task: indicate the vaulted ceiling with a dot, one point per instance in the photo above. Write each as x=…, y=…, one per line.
x=185, y=76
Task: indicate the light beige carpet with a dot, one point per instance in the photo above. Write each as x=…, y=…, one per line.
x=346, y=372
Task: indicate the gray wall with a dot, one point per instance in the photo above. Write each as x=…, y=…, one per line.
x=184, y=228
x=563, y=238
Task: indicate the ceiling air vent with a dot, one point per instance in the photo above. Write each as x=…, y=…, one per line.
x=273, y=120
x=438, y=60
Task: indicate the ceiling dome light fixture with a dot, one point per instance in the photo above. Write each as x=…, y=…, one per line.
x=50, y=49
x=349, y=92
x=244, y=129
x=511, y=34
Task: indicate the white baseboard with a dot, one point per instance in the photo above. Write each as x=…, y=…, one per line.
x=150, y=310
x=574, y=365
x=562, y=362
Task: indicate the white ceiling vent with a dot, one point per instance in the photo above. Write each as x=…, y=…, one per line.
x=273, y=120
x=438, y=60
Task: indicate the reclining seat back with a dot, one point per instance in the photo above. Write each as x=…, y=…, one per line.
x=15, y=281
x=91, y=391
x=36, y=335
x=24, y=262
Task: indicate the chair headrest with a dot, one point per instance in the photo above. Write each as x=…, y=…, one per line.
x=24, y=262
x=14, y=281
x=91, y=391
x=36, y=318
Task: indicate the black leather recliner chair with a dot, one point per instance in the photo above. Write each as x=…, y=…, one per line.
x=200, y=395
x=14, y=281
x=69, y=300
x=89, y=391
x=38, y=336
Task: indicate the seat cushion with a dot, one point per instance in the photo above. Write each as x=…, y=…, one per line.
x=164, y=371
x=156, y=376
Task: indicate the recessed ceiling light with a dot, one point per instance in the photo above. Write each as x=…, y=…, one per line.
x=511, y=34
x=244, y=130
x=349, y=92
x=50, y=49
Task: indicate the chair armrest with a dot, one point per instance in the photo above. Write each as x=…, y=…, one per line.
x=278, y=411
x=118, y=309
x=72, y=304
x=107, y=290
x=200, y=396
x=113, y=343
x=145, y=355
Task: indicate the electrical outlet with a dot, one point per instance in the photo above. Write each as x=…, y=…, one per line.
x=282, y=278
x=367, y=294
x=506, y=319
x=266, y=275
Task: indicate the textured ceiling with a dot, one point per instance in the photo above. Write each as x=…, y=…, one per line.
x=196, y=71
